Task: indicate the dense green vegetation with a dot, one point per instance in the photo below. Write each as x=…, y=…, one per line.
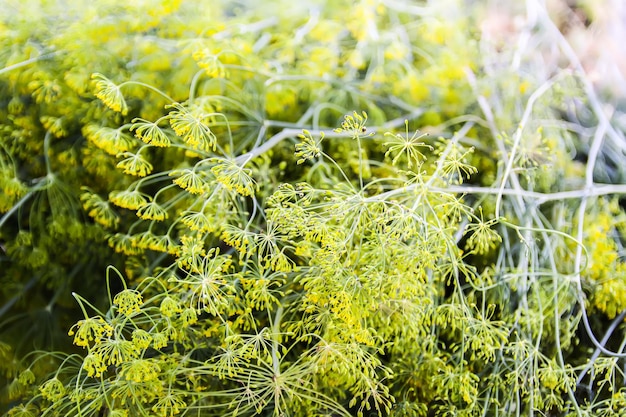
x=330, y=208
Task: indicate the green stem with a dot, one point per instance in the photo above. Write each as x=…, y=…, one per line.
x=194, y=85
x=28, y=62
x=149, y=87
x=108, y=281
x=81, y=300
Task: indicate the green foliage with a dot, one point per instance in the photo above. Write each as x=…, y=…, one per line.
x=278, y=238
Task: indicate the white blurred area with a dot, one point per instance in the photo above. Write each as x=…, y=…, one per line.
x=594, y=29
x=602, y=45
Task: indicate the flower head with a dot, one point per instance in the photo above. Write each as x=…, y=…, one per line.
x=134, y=164
x=23, y=410
x=152, y=211
x=141, y=338
x=170, y=307
x=190, y=180
x=150, y=133
x=198, y=221
x=309, y=148
x=402, y=144
x=111, y=141
x=99, y=209
x=354, y=125
x=192, y=125
x=169, y=406
x=94, y=365
x=52, y=390
x=234, y=177
x=90, y=330
x=109, y=93
x=128, y=302
x=141, y=370
x=128, y=199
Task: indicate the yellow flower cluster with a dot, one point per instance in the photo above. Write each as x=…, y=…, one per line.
x=99, y=209
x=604, y=268
x=11, y=189
x=199, y=221
x=190, y=180
x=140, y=370
x=52, y=390
x=170, y=307
x=169, y=406
x=141, y=338
x=90, y=330
x=128, y=199
x=309, y=148
x=259, y=294
x=402, y=144
x=94, y=365
x=234, y=177
x=116, y=351
x=152, y=211
x=191, y=252
x=150, y=133
x=128, y=302
x=109, y=93
x=112, y=141
x=610, y=294
x=237, y=238
x=123, y=243
x=134, y=164
x=354, y=125
x=192, y=124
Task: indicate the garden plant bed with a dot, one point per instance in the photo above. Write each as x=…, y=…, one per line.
x=324, y=208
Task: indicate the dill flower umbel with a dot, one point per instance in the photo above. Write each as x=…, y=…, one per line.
x=169, y=405
x=483, y=238
x=170, y=307
x=26, y=377
x=52, y=390
x=90, y=330
x=128, y=199
x=99, y=209
x=309, y=148
x=199, y=221
x=141, y=370
x=24, y=410
x=152, y=211
x=94, y=365
x=55, y=125
x=354, y=125
x=234, y=177
x=191, y=124
x=116, y=351
x=134, y=164
x=111, y=141
x=123, y=243
x=159, y=340
x=109, y=93
x=191, y=251
x=189, y=317
x=128, y=302
x=189, y=180
x=405, y=145
x=237, y=238
x=150, y=133
x=141, y=338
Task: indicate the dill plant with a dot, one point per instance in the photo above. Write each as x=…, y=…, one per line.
x=304, y=212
